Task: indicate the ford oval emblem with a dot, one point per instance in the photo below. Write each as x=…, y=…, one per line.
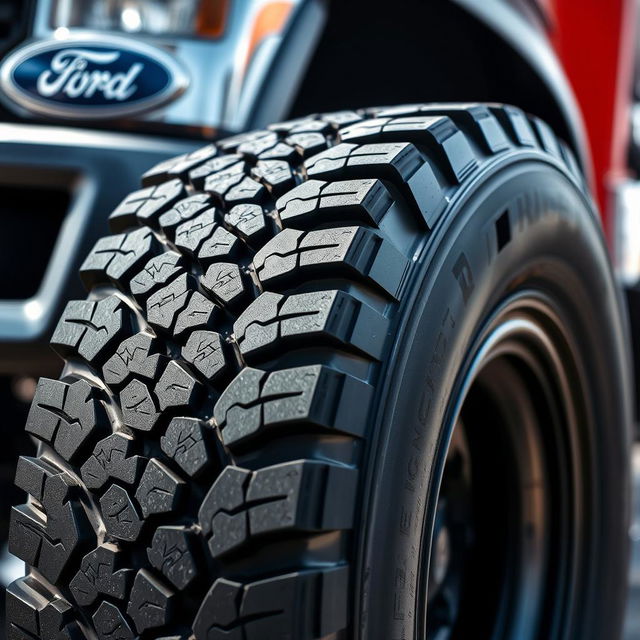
x=91, y=78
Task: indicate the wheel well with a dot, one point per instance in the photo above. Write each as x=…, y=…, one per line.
x=420, y=52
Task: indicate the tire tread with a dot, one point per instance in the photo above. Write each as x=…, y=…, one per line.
x=243, y=305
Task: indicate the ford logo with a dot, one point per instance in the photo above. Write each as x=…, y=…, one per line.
x=91, y=78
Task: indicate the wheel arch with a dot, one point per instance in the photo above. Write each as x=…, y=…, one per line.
x=473, y=51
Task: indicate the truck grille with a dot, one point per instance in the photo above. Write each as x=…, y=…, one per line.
x=30, y=220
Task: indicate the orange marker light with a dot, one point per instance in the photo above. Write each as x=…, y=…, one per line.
x=211, y=18
x=271, y=19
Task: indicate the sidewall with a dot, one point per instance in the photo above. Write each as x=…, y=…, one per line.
x=556, y=247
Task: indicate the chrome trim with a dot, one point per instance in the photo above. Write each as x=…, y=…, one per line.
x=626, y=207
x=13, y=95
x=82, y=138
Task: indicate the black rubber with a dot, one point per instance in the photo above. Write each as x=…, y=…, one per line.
x=204, y=459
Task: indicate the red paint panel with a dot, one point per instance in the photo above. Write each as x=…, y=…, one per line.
x=594, y=40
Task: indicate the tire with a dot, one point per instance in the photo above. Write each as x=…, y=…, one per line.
x=301, y=360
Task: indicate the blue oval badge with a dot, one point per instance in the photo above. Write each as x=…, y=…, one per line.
x=91, y=78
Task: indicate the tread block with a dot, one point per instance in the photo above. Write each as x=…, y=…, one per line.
x=221, y=514
x=281, y=151
x=138, y=355
x=24, y=602
x=58, y=621
x=139, y=409
x=164, y=305
x=172, y=553
x=393, y=160
x=111, y=624
x=276, y=175
x=33, y=612
x=159, y=489
x=229, y=164
x=437, y=132
x=31, y=474
x=516, y=124
x=159, y=173
x=192, y=233
x=305, y=124
x=178, y=389
x=66, y=415
x=146, y=205
x=116, y=258
x=344, y=251
x=120, y=516
x=224, y=281
x=101, y=574
x=259, y=144
x=302, y=496
x=205, y=351
x=93, y=269
x=164, y=196
x=182, y=211
x=88, y=327
x=317, y=125
x=247, y=190
x=303, y=605
x=328, y=316
x=427, y=194
x=48, y=539
x=481, y=123
x=316, y=396
x=399, y=162
x=308, y=143
x=200, y=313
x=220, y=245
x=179, y=166
x=218, y=184
x=546, y=137
x=339, y=119
x=192, y=445
x=315, y=202
x=280, y=257
x=112, y=459
x=248, y=221
x=124, y=215
x=150, y=605
x=157, y=272
x=233, y=143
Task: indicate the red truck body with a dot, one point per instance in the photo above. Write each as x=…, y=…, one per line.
x=595, y=42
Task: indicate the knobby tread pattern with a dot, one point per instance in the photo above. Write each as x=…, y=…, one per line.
x=199, y=460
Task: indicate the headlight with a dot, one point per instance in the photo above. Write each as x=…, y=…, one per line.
x=186, y=18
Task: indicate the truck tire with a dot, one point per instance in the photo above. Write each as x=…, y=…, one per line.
x=359, y=375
